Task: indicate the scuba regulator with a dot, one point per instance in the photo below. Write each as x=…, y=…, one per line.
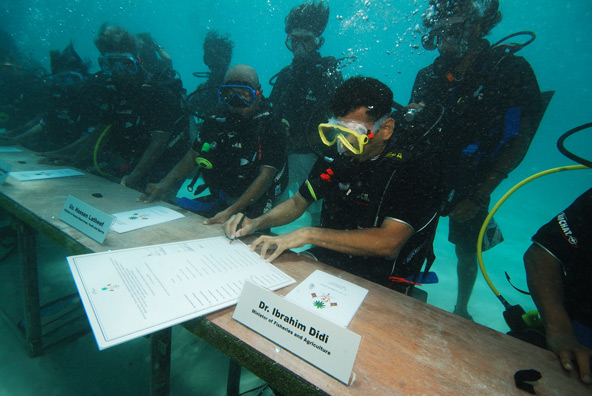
x=202, y=163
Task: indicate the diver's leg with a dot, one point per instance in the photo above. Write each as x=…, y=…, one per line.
x=467, y=274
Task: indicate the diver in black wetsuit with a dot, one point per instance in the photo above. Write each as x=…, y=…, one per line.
x=241, y=153
x=493, y=106
x=559, y=272
x=217, y=48
x=140, y=129
x=303, y=89
x=61, y=123
x=380, y=203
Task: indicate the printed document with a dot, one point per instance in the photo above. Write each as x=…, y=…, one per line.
x=326, y=295
x=144, y=217
x=133, y=292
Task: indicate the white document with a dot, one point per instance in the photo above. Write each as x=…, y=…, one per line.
x=326, y=295
x=133, y=292
x=8, y=149
x=145, y=217
x=45, y=174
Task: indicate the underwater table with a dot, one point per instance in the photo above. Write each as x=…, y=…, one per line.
x=408, y=347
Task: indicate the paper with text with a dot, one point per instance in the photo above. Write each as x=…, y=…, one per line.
x=144, y=217
x=133, y=292
x=326, y=295
x=45, y=174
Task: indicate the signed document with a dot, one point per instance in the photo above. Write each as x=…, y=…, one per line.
x=133, y=292
x=335, y=299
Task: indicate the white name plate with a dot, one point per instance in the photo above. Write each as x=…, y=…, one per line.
x=5, y=168
x=320, y=342
x=87, y=219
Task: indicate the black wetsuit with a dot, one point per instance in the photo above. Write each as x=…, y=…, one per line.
x=483, y=113
x=134, y=110
x=301, y=95
x=237, y=148
x=362, y=195
x=568, y=238
x=23, y=97
x=62, y=121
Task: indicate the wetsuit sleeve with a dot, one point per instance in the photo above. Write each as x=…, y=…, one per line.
x=420, y=87
x=273, y=148
x=568, y=235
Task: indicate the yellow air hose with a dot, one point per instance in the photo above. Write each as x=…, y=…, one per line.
x=96, y=150
x=494, y=210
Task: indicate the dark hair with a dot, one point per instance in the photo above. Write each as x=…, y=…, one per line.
x=67, y=60
x=116, y=39
x=485, y=12
x=310, y=16
x=358, y=92
x=217, y=50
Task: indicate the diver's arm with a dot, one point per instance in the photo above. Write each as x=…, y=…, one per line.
x=284, y=213
x=18, y=131
x=510, y=157
x=149, y=157
x=155, y=191
x=32, y=132
x=384, y=241
x=544, y=277
x=259, y=186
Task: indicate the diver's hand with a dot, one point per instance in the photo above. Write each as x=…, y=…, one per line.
x=154, y=192
x=569, y=350
x=291, y=240
x=238, y=226
x=464, y=211
x=219, y=218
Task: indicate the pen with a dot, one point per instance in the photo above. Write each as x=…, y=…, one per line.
x=240, y=223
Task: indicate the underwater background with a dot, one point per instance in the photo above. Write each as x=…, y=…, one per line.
x=381, y=34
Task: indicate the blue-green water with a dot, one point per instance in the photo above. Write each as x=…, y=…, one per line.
x=380, y=34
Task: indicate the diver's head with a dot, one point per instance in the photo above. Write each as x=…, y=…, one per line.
x=455, y=25
x=361, y=124
x=217, y=51
x=304, y=26
x=241, y=90
x=119, y=53
x=68, y=70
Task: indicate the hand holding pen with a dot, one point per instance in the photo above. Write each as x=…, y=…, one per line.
x=238, y=225
x=236, y=222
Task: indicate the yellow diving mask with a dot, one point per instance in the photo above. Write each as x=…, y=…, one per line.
x=349, y=135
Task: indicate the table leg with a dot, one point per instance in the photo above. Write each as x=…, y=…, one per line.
x=30, y=285
x=233, y=384
x=160, y=361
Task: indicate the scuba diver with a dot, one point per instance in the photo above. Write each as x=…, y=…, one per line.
x=60, y=124
x=558, y=273
x=493, y=106
x=217, y=54
x=303, y=89
x=140, y=130
x=240, y=153
x=380, y=204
